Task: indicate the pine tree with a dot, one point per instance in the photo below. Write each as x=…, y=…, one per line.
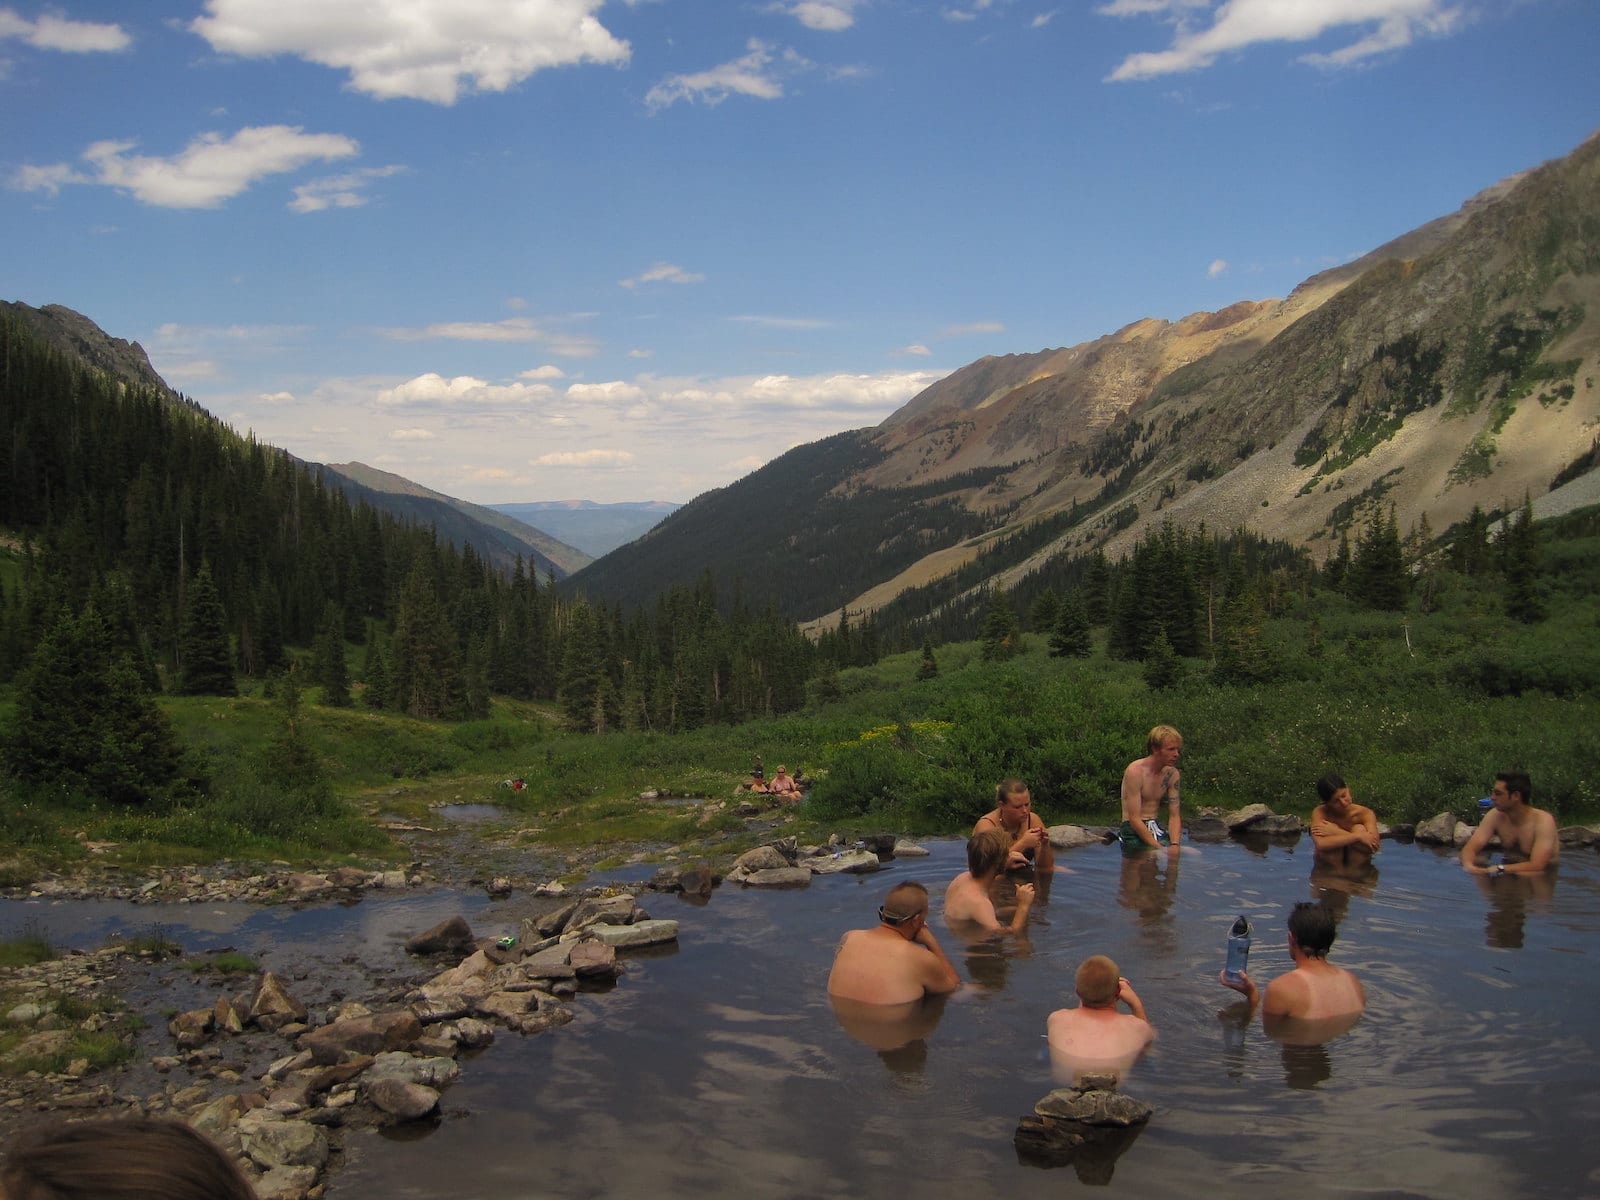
x=423, y=659
x=1001, y=635
x=328, y=664
x=1045, y=610
x=84, y=719
x=929, y=667
x=1242, y=656
x=1378, y=571
x=1162, y=666
x=1519, y=560
x=1070, y=637
x=205, y=660
x=1097, y=589
x=375, y=675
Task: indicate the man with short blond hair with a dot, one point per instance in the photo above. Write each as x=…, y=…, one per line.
x=1145, y=783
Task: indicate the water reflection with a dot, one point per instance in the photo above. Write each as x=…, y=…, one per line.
x=1334, y=880
x=1509, y=898
x=898, y=1032
x=1148, y=885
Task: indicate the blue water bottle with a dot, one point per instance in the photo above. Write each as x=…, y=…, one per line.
x=1485, y=803
x=1238, y=950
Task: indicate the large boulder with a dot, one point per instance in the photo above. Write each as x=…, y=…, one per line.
x=453, y=935
x=435, y=1072
x=271, y=1141
x=778, y=877
x=362, y=1035
x=401, y=1100
x=1071, y=837
x=1243, y=818
x=601, y=910
x=273, y=1006
x=641, y=933
x=762, y=858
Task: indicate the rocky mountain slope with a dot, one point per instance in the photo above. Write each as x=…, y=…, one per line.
x=1454, y=366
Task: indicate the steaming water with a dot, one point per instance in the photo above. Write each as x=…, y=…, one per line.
x=717, y=1068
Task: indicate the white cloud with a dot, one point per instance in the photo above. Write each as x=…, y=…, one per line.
x=434, y=390
x=916, y=348
x=276, y=398
x=612, y=392
x=339, y=191
x=825, y=16
x=584, y=458
x=209, y=170
x=412, y=435
x=755, y=74
x=548, y=371
x=641, y=353
x=663, y=273
x=422, y=49
x=1217, y=269
x=1238, y=24
x=51, y=32
x=1042, y=19
x=512, y=329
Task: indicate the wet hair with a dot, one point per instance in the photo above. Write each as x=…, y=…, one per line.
x=905, y=900
x=987, y=851
x=128, y=1158
x=1097, y=982
x=1328, y=785
x=1313, y=927
x=1161, y=734
x=1517, y=781
x=1008, y=787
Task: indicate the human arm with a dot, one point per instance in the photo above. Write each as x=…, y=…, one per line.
x=1328, y=835
x=1045, y=859
x=1478, y=843
x=938, y=974
x=1169, y=781
x=1019, y=919
x=1244, y=985
x=1128, y=996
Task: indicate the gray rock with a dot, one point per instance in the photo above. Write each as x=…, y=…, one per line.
x=286, y=1183
x=1206, y=827
x=606, y=910
x=508, y=1006
x=549, y=924
x=851, y=862
x=879, y=843
x=1439, y=830
x=189, y=1029
x=552, y=963
x=777, y=877
x=1579, y=836
x=593, y=959
x=1093, y=1106
x=406, y=1101
x=440, y=1005
x=905, y=849
x=1071, y=837
x=271, y=1141
x=762, y=858
x=643, y=933
x=437, y=1073
x=1243, y=818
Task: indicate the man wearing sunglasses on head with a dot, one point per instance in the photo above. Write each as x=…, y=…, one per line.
x=896, y=961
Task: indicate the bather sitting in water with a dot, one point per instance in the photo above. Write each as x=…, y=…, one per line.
x=897, y=961
x=1316, y=1000
x=1095, y=1037
x=967, y=903
x=1341, y=828
x=1527, y=835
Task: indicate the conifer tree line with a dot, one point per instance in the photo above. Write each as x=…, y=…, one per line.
x=157, y=541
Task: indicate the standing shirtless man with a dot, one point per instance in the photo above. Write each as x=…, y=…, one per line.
x=898, y=960
x=1146, y=781
x=1527, y=834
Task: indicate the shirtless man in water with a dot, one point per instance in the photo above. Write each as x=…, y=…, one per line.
x=1095, y=1035
x=1340, y=828
x=1315, y=990
x=898, y=960
x=1146, y=781
x=1527, y=834
x=966, y=901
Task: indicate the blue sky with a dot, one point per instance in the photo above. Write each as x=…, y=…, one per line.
x=630, y=250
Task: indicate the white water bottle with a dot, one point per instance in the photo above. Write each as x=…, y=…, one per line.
x=1238, y=950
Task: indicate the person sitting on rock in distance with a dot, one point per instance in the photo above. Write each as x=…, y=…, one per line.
x=126, y=1158
x=966, y=901
x=1527, y=835
x=1315, y=990
x=1341, y=828
x=1095, y=1037
x=896, y=961
x=1013, y=815
x=783, y=784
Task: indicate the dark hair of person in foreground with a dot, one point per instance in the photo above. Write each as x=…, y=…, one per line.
x=127, y=1158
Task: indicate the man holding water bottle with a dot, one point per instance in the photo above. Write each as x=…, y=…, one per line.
x=1315, y=990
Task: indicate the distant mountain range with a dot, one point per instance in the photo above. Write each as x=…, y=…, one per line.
x=1454, y=366
x=596, y=529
